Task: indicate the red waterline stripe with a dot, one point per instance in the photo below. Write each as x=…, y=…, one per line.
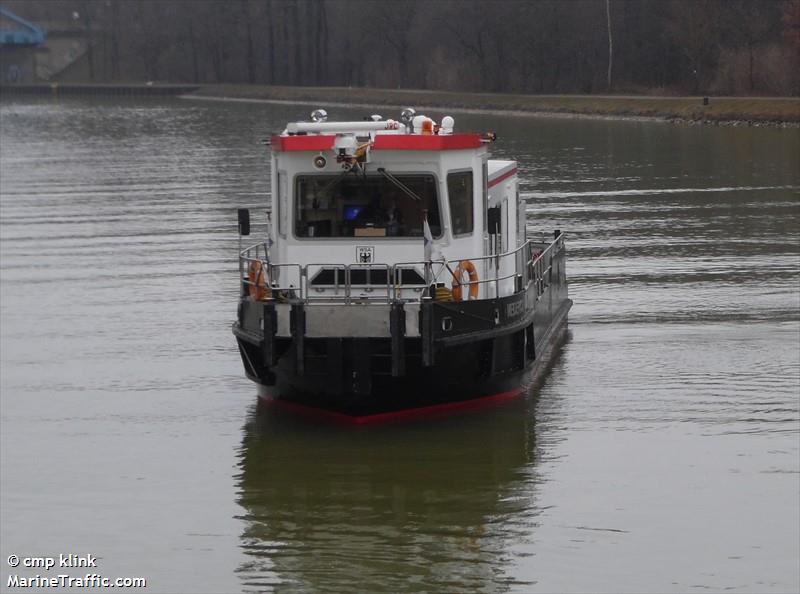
x=434, y=410
x=506, y=175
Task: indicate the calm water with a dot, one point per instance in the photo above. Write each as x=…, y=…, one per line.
x=662, y=453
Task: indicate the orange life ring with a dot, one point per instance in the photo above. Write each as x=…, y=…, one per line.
x=257, y=277
x=468, y=267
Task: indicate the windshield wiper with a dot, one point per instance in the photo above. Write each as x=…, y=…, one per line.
x=399, y=184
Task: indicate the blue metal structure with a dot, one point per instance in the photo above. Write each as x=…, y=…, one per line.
x=25, y=34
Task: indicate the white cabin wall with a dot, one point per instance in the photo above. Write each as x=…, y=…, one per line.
x=288, y=248
x=468, y=246
x=504, y=195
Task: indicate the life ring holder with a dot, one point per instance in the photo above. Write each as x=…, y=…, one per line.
x=257, y=281
x=468, y=267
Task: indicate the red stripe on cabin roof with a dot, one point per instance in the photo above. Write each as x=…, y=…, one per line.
x=499, y=178
x=418, y=142
x=386, y=142
x=303, y=142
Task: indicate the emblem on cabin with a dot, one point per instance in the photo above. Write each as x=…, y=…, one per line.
x=365, y=254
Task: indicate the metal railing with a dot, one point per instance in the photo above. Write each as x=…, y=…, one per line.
x=533, y=263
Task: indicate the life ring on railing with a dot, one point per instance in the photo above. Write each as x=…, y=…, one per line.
x=458, y=274
x=257, y=281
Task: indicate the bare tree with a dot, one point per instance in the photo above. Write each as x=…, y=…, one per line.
x=693, y=27
x=394, y=27
x=248, y=40
x=610, y=44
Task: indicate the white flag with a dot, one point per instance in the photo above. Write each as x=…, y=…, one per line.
x=431, y=251
x=427, y=239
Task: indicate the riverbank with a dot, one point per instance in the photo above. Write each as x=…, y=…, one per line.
x=104, y=89
x=756, y=111
x=752, y=111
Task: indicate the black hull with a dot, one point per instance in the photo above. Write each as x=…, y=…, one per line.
x=353, y=376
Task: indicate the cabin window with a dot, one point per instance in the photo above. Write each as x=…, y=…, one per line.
x=459, y=194
x=354, y=205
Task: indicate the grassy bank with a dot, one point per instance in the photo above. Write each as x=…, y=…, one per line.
x=752, y=110
x=719, y=110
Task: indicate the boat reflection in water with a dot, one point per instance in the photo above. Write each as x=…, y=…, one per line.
x=433, y=505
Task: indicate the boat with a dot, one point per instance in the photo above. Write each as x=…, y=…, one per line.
x=397, y=275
